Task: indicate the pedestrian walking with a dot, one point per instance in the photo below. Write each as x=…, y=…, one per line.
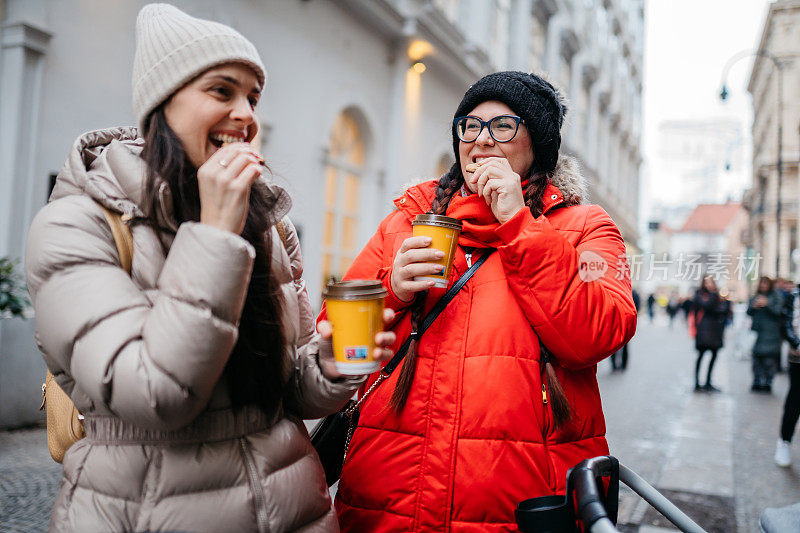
x=478, y=419
x=766, y=309
x=791, y=408
x=619, y=359
x=193, y=372
x=651, y=302
x=707, y=323
x=686, y=306
x=673, y=305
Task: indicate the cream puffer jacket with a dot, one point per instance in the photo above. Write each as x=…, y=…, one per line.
x=142, y=357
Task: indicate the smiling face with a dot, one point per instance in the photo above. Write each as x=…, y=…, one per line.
x=218, y=106
x=518, y=151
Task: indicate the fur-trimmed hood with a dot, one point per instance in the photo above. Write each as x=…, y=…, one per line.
x=568, y=179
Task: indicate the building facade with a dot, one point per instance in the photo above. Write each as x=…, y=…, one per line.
x=772, y=200
x=358, y=102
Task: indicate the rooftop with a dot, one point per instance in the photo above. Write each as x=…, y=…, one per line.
x=712, y=218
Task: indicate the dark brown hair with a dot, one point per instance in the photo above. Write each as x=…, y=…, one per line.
x=448, y=185
x=254, y=369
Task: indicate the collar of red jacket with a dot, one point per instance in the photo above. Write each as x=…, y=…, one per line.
x=478, y=221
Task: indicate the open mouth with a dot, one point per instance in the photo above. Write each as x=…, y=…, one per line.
x=218, y=139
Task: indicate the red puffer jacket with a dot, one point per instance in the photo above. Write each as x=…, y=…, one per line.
x=476, y=435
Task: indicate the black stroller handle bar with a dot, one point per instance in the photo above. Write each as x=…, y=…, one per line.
x=587, y=501
x=586, y=481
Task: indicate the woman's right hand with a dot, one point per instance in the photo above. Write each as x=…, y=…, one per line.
x=224, y=182
x=414, y=259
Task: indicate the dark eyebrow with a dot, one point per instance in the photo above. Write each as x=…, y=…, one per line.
x=233, y=81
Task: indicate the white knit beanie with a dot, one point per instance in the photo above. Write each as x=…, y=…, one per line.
x=172, y=48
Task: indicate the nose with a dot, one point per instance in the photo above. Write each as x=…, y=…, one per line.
x=484, y=137
x=242, y=111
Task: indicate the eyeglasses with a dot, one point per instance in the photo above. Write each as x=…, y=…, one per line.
x=502, y=129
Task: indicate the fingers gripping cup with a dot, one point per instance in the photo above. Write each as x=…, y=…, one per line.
x=355, y=310
x=444, y=233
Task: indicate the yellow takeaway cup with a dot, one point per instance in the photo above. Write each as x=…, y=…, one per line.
x=444, y=232
x=355, y=311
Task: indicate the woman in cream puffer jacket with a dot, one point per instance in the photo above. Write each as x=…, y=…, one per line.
x=195, y=371
x=141, y=357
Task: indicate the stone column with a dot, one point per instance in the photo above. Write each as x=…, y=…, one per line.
x=519, y=41
x=21, y=65
x=23, y=43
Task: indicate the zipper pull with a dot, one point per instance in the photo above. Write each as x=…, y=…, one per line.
x=469, y=259
x=44, y=387
x=544, y=394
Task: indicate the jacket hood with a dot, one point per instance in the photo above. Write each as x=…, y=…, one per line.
x=107, y=166
x=568, y=179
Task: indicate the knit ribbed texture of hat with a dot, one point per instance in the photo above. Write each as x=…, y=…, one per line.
x=172, y=48
x=531, y=97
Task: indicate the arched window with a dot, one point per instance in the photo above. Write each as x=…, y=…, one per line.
x=343, y=171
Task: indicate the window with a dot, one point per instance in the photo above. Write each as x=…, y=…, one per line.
x=343, y=170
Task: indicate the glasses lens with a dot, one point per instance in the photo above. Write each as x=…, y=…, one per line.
x=503, y=128
x=468, y=129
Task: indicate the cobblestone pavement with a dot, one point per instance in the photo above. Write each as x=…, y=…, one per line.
x=29, y=481
x=711, y=454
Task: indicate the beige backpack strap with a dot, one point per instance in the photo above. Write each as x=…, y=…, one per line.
x=282, y=232
x=122, y=237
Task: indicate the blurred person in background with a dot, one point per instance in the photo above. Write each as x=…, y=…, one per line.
x=673, y=306
x=651, y=302
x=709, y=315
x=766, y=311
x=619, y=359
x=791, y=408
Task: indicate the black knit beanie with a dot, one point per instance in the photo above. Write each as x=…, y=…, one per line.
x=535, y=100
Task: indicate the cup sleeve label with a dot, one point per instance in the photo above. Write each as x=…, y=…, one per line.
x=355, y=353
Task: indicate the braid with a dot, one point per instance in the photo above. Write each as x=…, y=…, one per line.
x=448, y=185
x=534, y=193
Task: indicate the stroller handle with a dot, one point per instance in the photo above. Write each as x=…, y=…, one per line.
x=591, y=500
x=591, y=504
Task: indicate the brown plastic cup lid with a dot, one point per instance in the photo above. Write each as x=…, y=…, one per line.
x=428, y=219
x=354, y=289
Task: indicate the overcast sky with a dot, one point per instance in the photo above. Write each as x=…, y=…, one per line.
x=687, y=44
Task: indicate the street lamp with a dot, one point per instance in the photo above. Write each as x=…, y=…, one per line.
x=723, y=95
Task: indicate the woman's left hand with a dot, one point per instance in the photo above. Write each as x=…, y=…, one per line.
x=382, y=352
x=500, y=186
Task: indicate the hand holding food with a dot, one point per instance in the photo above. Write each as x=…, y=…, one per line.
x=501, y=187
x=224, y=182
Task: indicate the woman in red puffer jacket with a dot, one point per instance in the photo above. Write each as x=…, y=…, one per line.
x=479, y=417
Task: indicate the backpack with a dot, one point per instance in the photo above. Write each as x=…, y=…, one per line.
x=64, y=422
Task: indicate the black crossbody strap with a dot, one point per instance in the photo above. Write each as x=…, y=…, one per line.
x=438, y=308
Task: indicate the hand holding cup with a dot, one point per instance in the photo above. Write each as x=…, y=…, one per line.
x=382, y=352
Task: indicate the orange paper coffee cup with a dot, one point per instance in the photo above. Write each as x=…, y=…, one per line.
x=444, y=233
x=355, y=310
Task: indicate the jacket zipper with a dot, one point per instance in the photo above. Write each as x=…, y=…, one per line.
x=255, y=485
x=469, y=259
x=545, y=430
